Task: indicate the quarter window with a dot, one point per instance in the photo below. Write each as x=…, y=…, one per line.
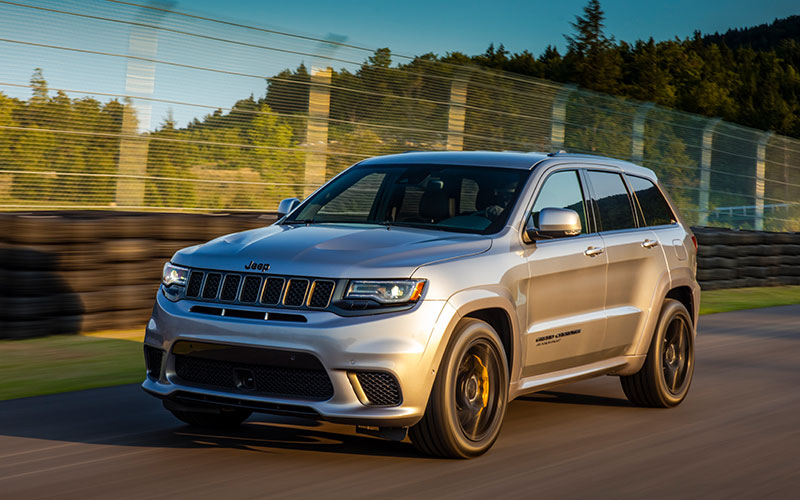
x=561, y=190
x=655, y=208
x=612, y=201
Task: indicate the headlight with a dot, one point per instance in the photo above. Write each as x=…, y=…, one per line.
x=386, y=291
x=174, y=275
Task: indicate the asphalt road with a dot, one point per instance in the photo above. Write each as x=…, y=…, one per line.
x=736, y=436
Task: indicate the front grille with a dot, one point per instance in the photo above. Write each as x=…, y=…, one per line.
x=152, y=361
x=212, y=285
x=260, y=290
x=229, y=287
x=295, y=292
x=250, y=289
x=269, y=380
x=195, y=281
x=272, y=291
x=320, y=294
x=381, y=388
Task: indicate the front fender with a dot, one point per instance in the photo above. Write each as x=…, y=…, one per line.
x=460, y=305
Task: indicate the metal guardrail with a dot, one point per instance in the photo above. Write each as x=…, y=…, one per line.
x=102, y=147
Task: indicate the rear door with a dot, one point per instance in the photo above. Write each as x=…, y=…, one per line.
x=636, y=261
x=566, y=290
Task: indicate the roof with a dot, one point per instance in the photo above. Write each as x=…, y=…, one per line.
x=504, y=159
x=466, y=158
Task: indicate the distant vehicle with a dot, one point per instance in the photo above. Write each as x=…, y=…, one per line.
x=416, y=294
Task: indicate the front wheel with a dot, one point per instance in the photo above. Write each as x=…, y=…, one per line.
x=468, y=402
x=664, y=379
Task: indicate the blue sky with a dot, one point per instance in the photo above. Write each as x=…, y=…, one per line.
x=410, y=27
x=416, y=26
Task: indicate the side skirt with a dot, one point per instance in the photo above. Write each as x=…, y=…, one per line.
x=616, y=366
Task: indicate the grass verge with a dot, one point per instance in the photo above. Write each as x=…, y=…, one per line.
x=735, y=299
x=69, y=363
x=64, y=363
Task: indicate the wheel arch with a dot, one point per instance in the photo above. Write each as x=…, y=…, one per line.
x=685, y=292
x=494, y=306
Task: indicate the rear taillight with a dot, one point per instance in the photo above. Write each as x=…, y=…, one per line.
x=694, y=241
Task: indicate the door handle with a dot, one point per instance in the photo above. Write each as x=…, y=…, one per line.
x=594, y=251
x=650, y=243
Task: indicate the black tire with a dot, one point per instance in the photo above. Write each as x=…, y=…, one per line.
x=223, y=419
x=468, y=402
x=666, y=375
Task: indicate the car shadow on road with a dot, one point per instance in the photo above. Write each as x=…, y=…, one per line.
x=268, y=437
x=125, y=416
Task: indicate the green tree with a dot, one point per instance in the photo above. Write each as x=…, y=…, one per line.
x=595, y=63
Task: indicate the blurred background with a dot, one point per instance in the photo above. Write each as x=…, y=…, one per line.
x=129, y=130
x=171, y=110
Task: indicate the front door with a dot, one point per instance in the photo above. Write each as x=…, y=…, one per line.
x=566, y=290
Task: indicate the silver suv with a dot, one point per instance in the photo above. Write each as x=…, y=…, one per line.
x=419, y=293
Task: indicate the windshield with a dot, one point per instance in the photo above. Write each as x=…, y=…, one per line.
x=453, y=198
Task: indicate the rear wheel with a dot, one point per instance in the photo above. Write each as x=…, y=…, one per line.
x=468, y=402
x=667, y=372
x=223, y=419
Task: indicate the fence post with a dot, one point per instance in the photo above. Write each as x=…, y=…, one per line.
x=457, y=115
x=637, y=142
x=761, y=169
x=557, y=124
x=132, y=164
x=705, y=170
x=319, y=104
x=140, y=78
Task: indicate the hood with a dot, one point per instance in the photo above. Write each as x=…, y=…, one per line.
x=332, y=250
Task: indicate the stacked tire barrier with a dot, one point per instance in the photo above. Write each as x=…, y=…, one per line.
x=73, y=272
x=737, y=259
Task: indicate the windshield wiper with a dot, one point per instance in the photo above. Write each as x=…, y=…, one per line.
x=299, y=221
x=326, y=221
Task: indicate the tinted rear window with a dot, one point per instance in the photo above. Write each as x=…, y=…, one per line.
x=654, y=207
x=612, y=201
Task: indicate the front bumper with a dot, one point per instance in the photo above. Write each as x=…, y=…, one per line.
x=398, y=343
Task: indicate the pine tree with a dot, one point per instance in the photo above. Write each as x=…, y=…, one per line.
x=596, y=63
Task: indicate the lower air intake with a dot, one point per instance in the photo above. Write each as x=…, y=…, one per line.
x=381, y=388
x=152, y=360
x=307, y=384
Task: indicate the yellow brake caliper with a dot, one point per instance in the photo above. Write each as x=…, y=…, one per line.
x=484, y=381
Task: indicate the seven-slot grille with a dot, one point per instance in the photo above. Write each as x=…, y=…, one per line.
x=272, y=291
x=295, y=292
x=229, y=287
x=260, y=290
x=250, y=289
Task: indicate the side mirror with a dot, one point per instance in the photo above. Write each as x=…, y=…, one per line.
x=286, y=206
x=554, y=223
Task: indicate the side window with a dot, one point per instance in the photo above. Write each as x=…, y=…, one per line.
x=561, y=190
x=655, y=208
x=612, y=201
